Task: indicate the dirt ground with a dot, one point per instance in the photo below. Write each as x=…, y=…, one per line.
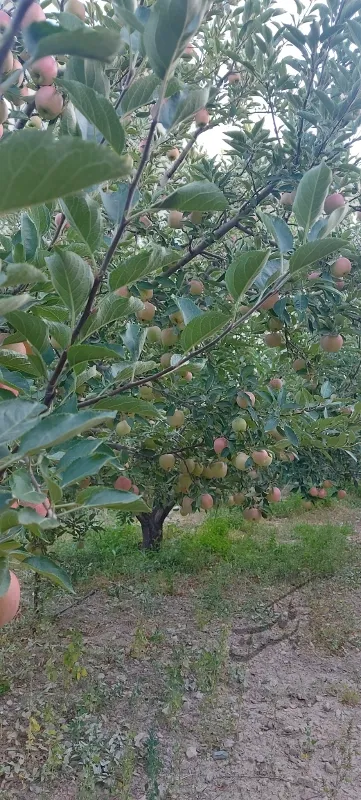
x=140, y=693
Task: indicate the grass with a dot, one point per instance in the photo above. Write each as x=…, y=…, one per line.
x=224, y=540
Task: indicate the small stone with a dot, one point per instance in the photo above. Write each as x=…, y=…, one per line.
x=191, y=752
x=326, y=706
x=229, y=743
x=329, y=768
x=220, y=755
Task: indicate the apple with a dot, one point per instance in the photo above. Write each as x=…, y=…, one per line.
x=244, y=402
x=146, y=392
x=169, y=337
x=44, y=71
x=123, y=291
x=165, y=360
x=135, y=489
x=202, y=117
x=276, y=383
x=8, y=63
x=273, y=340
x=145, y=221
x=331, y=343
x=5, y=21
x=188, y=52
x=4, y=111
x=333, y=201
x=184, y=483
x=173, y=154
x=230, y=501
x=196, y=217
x=239, y=425
x=10, y=601
x=219, y=469
x=123, y=484
x=196, y=288
x=252, y=514
x=220, y=444
x=234, y=77
x=167, y=461
x=342, y=266
x=270, y=301
x=262, y=458
x=176, y=420
x=75, y=7
x=239, y=498
x=288, y=198
x=34, y=14
x=190, y=465
x=175, y=219
x=188, y=376
x=154, y=334
x=177, y=318
x=341, y=494
x=146, y=294
x=48, y=102
x=275, y=324
x=240, y=461
x=274, y=495
x=299, y=364
x=313, y=276
x=147, y=313
x=187, y=505
x=1, y=131
x=313, y=492
x=206, y=502
x=322, y=493
x=122, y=429
x=328, y=484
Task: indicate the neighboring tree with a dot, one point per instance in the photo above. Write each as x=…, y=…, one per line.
x=175, y=328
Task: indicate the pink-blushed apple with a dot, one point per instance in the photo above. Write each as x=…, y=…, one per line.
x=333, y=201
x=44, y=71
x=48, y=102
x=34, y=13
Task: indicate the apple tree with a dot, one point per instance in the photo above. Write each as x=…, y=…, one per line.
x=175, y=328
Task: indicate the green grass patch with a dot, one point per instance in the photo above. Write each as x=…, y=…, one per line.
x=223, y=539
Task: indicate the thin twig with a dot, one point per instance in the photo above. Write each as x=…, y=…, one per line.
x=10, y=34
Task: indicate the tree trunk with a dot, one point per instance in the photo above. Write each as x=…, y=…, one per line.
x=152, y=527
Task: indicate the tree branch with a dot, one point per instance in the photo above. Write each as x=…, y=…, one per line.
x=10, y=34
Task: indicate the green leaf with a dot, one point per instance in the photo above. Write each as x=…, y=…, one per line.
x=16, y=418
x=85, y=217
x=72, y=279
x=134, y=339
x=197, y=196
x=132, y=269
x=61, y=333
x=98, y=497
x=79, y=449
x=57, y=428
x=188, y=308
x=23, y=489
x=110, y=308
x=4, y=575
x=79, y=353
x=326, y=225
x=47, y=568
x=128, y=17
x=355, y=31
x=32, y=328
x=280, y=231
x=312, y=251
x=13, y=302
x=83, y=468
x=311, y=194
x=52, y=168
x=189, y=103
x=98, y=111
x=203, y=327
x=45, y=39
x=291, y=435
x=128, y=371
x=244, y=270
x=140, y=93
x=17, y=274
x=29, y=236
x=41, y=219
x=129, y=405
x=171, y=25
x=15, y=361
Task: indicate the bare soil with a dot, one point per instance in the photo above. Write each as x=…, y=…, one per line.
x=139, y=693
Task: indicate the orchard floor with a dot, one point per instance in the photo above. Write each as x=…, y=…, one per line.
x=210, y=684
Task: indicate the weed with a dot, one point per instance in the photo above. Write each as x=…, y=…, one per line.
x=349, y=696
x=153, y=766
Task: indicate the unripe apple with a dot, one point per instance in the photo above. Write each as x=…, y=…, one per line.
x=331, y=343
x=154, y=334
x=176, y=420
x=123, y=484
x=4, y=111
x=252, y=514
x=146, y=392
x=206, y=502
x=5, y=21
x=240, y=461
x=270, y=301
x=196, y=288
x=175, y=219
x=220, y=444
x=274, y=433
x=9, y=389
x=244, y=402
x=234, y=77
x=184, y=483
x=146, y=294
x=322, y=493
x=123, y=429
x=239, y=498
x=276, y=383
x=313, y=492
x=341, y=267
x=273, y=340
x=198, y=470
x=44, y=71
x=230, y=501
x=288, y=198
x=75, y=7
x=328, y=484
x=202, y=117
x=219, y=469
x=35, y=122
x=123, y=291
x=239, y=425
x=165, y=360
x=341, y=494
x=169, y=337
x=173, y=154
x=167, y=461
x=207, y=472
x=145, y=221
x=146, y=314
x=176, y=318
x=333, y=201
x=48, y=102
x=190, y=465
x=274, y=495
x=262, y=458
x=299, y=364
x=275, y=324
x=196, y=217
x=188, y=376
x=34, y=14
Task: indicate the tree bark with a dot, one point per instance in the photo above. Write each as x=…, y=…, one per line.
x=152, y=527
